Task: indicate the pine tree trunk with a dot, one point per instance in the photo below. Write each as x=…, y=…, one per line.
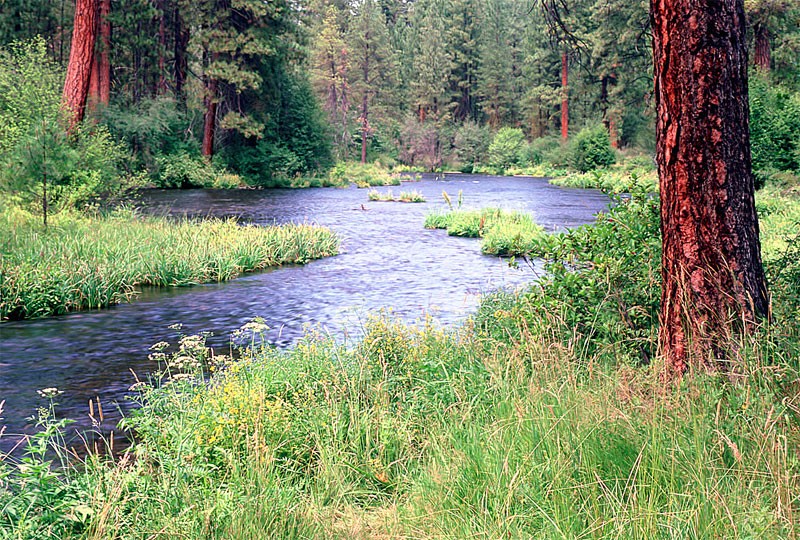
x=181, y=37
x=210, y=118
x=713, y=281
x=564, y=97
x=364, y=126
x=81, y=58
x=161, y=87
x=100, y=79
x=763, y=53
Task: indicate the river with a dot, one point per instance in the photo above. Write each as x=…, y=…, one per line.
x=387, y=261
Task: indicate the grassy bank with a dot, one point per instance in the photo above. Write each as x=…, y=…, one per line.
x=405, y=196
x=93, y=262
x=502, y=232
x=544, y=417
x=343, y=174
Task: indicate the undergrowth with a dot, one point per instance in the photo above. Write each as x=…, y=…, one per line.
x=538, y=419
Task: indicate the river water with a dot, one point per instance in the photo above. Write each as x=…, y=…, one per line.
x=387, y=261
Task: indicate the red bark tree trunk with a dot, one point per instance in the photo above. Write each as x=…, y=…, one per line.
x=763, y=53
x=564, y=97
x=713, y=280
x=100, y=78
x=81, y=58
x=210, y=118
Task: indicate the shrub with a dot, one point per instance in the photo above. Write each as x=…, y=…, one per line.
x=548, y=150
x=774, y=126
x=41, y=167
x=471, y=144
x=507, y=148
x=592, y=149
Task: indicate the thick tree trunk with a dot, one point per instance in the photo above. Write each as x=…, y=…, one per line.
x=763, y=53
x=713, y=280
x=210, y=118
x=564, y=97
x=81, y=58
x=100, y=79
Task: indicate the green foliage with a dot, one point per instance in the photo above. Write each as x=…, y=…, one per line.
x=93, y=262
x=591, y=149
x=470, y=145
x=602, y=287
x=155, y=129
x=405, y=196
x=41, y=167
x=626, y=177
x=774, y=126
x=548, y=150
x=294, y=141
x=504, y=233
x=507, y=148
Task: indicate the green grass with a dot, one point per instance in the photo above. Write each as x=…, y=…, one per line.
x=420, y=433
x=634, y=175
x=93, y=262
x=364, y=176
x=405, y=196
x=533, y=420
x=503, y=233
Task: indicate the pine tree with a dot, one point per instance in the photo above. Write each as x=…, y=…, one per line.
x=372, y=61
x=330, y=66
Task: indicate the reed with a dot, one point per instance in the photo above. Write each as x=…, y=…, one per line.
x=503, y=233
x=93, y=262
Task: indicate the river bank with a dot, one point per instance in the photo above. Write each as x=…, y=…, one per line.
x=88, y=262
x=537, y=419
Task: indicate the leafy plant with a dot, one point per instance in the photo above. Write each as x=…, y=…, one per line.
x=592, y=149
x=507, y=148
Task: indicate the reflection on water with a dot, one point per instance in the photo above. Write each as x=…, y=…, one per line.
x=387, y=261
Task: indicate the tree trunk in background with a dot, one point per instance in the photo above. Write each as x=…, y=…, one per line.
x=181, y=38
x=564, y=97
x=209, y=118
x=613, y=136
x=81, y=58
x=364, y=127
x=100, y=79
x=763, y=53
x=161, y=87
x=713, y=281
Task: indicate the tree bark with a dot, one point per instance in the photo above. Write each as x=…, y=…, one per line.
x=100, y=78
x=564, y=97
x=210, y=118
x=713, y=280
x=81, y=57
x=181, y=37
x=763, y=50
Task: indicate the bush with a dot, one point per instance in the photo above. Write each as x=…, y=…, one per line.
x=41, y=167
x=471, y=144
x=774, y=127
x=548, y=150
x=153, y=129
x=592, y=149
x=507, y=148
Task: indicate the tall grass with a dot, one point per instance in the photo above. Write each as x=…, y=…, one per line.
x=93, y=262
x=508, y=427
x=504, y=233
x=419, y=433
